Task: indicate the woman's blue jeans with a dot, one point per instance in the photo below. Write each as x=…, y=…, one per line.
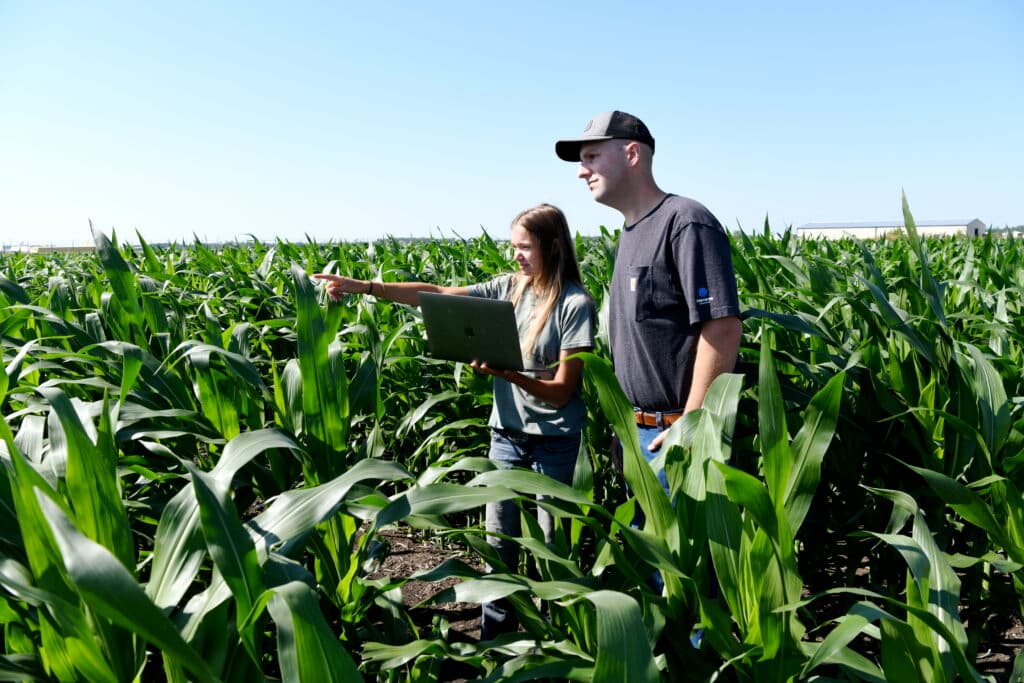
x=554, y=456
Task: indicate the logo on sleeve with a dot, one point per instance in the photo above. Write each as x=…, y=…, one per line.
x=704, y=296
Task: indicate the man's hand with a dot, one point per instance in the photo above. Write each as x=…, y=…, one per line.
x=656, y=444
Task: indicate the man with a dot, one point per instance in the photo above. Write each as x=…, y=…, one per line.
x=674, y=311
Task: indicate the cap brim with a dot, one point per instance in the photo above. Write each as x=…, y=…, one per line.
x=569, y=150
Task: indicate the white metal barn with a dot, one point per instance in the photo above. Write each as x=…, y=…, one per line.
x=869, y=230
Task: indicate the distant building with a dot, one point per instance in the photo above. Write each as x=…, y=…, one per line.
x=44, y=249
x=869, y=230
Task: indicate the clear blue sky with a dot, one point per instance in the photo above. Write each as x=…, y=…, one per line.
x=343, y=120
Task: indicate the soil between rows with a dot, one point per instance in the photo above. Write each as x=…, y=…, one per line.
x=411, y=552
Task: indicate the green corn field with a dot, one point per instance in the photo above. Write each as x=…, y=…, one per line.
x=202, y=457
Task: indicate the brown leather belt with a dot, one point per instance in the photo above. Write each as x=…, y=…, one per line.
x=646, y=419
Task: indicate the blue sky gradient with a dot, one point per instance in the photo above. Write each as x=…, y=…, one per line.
x=351, y=121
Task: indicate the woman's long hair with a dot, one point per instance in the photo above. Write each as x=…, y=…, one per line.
x=549, y=227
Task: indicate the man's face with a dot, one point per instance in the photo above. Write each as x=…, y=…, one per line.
x=602, y=167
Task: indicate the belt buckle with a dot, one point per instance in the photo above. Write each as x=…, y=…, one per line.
x=643, y=417
x=662, y=420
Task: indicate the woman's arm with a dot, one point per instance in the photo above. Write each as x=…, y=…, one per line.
x=556, y=391
x=400, y=292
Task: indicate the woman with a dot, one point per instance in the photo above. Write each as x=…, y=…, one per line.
x=537, y=421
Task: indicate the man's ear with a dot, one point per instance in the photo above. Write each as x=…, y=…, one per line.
x=632, y=151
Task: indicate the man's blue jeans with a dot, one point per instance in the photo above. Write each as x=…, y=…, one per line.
x=647, y=435
x=656, y=581
x=554, y=456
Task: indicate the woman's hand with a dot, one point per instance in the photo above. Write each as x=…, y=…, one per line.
x=339, y=285
x=510, y=376
x=556, y=390
x=488, y=370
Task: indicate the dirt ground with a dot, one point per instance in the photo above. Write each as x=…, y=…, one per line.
x=996, y=658
x=411, y=553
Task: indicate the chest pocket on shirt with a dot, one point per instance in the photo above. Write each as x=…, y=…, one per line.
x=655, y=292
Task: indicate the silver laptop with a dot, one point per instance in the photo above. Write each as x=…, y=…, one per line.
x=466, y=328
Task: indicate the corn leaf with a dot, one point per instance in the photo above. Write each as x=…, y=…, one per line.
x=178, y=549
x=325, y=405
x=68, y=642
x=231, y=548
x=930, y=287
x=91, y=477
x=991, y=397
x=809, y=448
x=638, y=473
x=106, y=586
x=293, y=514
x=122, y=281
x=622, y=653
x=308, y=649
x=771, y=413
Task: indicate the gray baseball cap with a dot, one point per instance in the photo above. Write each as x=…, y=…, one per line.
x=607, y=126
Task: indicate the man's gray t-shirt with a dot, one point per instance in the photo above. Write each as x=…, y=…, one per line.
x=570, y=326
x=673, y=271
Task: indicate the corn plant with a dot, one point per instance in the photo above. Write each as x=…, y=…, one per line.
x=225, y=445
